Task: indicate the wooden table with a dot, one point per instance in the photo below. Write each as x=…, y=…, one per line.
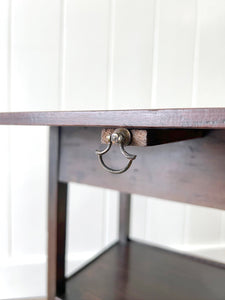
x=185, y=162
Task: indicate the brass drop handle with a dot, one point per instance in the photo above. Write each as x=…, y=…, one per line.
x=122, y=137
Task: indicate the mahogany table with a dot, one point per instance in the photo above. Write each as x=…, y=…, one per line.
x=180, y=157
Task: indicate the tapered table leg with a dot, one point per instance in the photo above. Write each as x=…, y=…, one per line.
x=124, y=217
x=57, y=203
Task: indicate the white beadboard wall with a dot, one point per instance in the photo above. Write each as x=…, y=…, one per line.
x=99, y=54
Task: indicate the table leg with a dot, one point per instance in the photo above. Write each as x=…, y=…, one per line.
x=57, y=203
x=124, y=217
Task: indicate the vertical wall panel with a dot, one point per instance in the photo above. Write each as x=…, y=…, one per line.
x=111, y=217
x=28, y=189
x=132, y=54
x=211, y=49
x=4, y=131
x=138, y=217
x=165, y=222
x=174, y=57
x=4, y=53
x=175, y=22
x=162, y=227
x=34, y=86
x=4, y=192
x=131, y=70
x=222, y=230
x=205, y=225
x=85, y=218
x=94, y=54
x=202, y=225
x=85, y=62
x=85, y=54
x=35, y=54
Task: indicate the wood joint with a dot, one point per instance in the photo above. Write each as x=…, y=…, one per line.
x=153, y=137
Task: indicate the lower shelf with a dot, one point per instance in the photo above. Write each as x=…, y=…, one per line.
x=141, y=272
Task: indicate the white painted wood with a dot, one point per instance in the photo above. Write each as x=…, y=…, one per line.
x=85, y=218
x=35, y=55
x=165, y=223
x=207, y=225
x=4, y=53
x=4, y=194
x=22, y=280
x=85, y=54
x=34, y=85
x=84, y=67
x=172, y=81
x=215, y=252
x=24, y=276
x=175, y=49
x=222, y=230
x=28, y=170
x=211, y=49
x=132, y=54
x=130, y=72
x=4, y=130
x=138, y=217
x=95, y=55
x=202, y=225
x=110, y=217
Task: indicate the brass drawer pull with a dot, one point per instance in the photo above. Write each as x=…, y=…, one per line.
x=122, y=137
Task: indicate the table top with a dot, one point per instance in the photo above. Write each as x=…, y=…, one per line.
x=148, y=118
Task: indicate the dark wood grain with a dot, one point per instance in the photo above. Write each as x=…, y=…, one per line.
x=158, y=118
x=191, y=171
x=61, y=238
x=52, y=210
x=57, y=197
x=139, y=137
x=153, y=137
x=139, y=272
x=124, y=226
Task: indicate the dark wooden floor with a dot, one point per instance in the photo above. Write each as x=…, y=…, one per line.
x=141, y=272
